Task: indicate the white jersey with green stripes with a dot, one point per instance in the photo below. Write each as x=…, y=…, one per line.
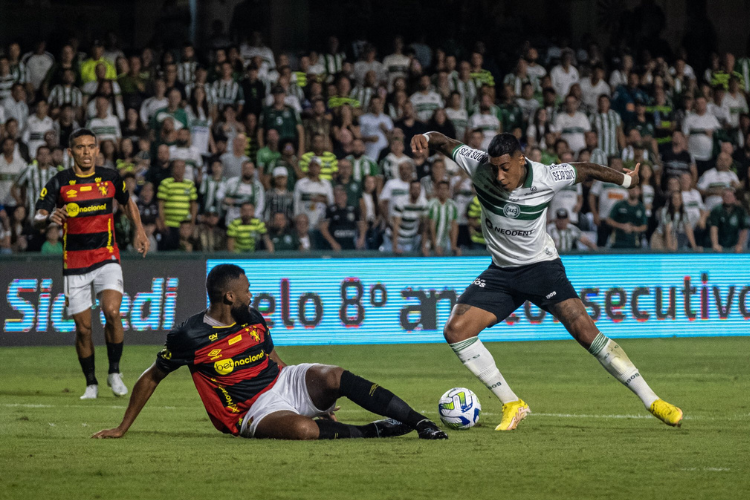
x=513, y=223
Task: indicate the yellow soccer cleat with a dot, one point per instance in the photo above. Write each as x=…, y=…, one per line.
x=667, y=413
x=513, y=413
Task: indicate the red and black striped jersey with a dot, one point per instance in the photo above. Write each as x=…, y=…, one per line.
x=229, y=365
x=89, y=231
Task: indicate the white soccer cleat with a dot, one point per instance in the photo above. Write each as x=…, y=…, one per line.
x=114, y=380
x=92, y=391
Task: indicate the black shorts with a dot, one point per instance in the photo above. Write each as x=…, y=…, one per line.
x=502, y=290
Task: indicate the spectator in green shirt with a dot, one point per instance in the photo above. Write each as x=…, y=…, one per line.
x=281, y=235
x=243, y=233
x=284, y=119
x=628, y=220
x=178, y=201
x=728, y=224
x=265, y=160
x=52, y=246
x=173, y=110
x=353, y=188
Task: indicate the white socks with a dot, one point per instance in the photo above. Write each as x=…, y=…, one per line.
x=617, y=363
x=480, y=362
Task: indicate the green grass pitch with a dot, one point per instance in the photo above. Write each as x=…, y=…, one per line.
x=588, y=436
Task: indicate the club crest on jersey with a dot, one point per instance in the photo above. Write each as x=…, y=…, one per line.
x=103, y=189
x=511, y=210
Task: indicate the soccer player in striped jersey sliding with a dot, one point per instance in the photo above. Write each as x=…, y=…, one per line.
x=514, y=193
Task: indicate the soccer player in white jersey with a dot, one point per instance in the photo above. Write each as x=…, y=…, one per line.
x=514, y=193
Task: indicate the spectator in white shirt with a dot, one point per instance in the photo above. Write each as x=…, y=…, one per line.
x=573, y=125
x=426, y=100
x=700, y=127
x=397, y=64
x=592, y=87
x=375, y=127
x=369, y=64
x=713, y=182
x=16, y=107
x=564, y=74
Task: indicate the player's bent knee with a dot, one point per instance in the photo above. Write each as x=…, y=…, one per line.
x=331, y=376
x=456, y=330
x=304, y=430
x=112, y=315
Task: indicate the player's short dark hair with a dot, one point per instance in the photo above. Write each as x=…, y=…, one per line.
x=218, y=280
x=503, y=144
x=81, y=132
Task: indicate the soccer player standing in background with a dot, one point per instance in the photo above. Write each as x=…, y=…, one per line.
x=514, y=193
x=80, y=200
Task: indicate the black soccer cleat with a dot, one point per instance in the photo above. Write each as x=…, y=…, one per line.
x=391, y=428
x=427, y=429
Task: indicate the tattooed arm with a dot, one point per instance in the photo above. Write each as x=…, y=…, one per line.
x=586, y=171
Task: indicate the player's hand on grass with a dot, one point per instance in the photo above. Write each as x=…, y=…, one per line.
x=59, y=216
x=419, y=144
x=331, y=415
x=634, y=177
x=109, y=434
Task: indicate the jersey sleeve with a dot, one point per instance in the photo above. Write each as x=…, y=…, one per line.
x=561, y=175
x=175, y=353
x=121, y=190
x=49, y=195
x=468, y=158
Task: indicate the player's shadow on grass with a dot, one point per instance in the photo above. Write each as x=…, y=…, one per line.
x=201, y=435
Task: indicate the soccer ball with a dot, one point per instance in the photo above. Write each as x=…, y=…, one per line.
x=459, y=408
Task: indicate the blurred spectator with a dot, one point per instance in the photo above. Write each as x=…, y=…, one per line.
x=442, y=220
x=343, y=227
x=528, y=105
x=362, y=164
x=105, y=126
x=32, y=179
x=396, y=191
x=244, y=188
x=210, y=236
x=564, y=75
x=282, y=237
x=375, y=128
x=593, y=87
x=699, y=127
x=538, y=129
x=173, y=110
x=367, y=64
x=370, y=209
x=244, y=232
x=284, y=119
x=565, y=235
x=624, y=97
x=344, y=179
x=569, y=199
x=713, y=182
x=200, y=115
x=573, y=125
x=148, y=207
x=177, y=202
x=278, y=198
x=728, y=224
x=319, y=123
x=11, y=167
x=602, y=197
x=302, y=232
x=234, y=160
x=674, y=225
x=5, y=248
x=485, y=121
x=410, y=127
x=677, y=160
x=185, y=151
x=211, y=186
x=425, y=100
x=396, y=64
x=326, y=159
x=158, y=101
x=437, y=175
x=188, y=240
x=628, y=221
x=408, y=230
x=15, y=106
x=267, y=157
x=52, y=245
x=457, y=115
x=312, y=194
x=21, y=231
x=160, y=167
x=510, y=113
x=66, y=92
x=88, y=68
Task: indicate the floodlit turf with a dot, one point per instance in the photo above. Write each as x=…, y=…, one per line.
x=588, y=437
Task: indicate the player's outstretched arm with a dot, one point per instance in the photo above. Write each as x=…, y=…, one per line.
x=586, y=171
x=437, y=141
x=142, y=391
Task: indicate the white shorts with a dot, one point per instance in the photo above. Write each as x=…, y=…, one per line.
x=288, y=394
x=78, y=286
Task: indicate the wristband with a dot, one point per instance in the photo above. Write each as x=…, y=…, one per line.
x=626, y=181
x=427, y=137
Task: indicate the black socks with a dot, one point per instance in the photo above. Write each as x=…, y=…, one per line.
x=376, y=399
x=114, y=353
x=336, y=430
x=87, y=365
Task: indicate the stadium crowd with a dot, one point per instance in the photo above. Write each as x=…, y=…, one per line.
x=239, y=148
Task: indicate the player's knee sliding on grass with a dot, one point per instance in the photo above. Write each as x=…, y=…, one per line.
x=514, y=194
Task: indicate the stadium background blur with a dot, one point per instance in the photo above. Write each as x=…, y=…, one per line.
x=354, y=81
